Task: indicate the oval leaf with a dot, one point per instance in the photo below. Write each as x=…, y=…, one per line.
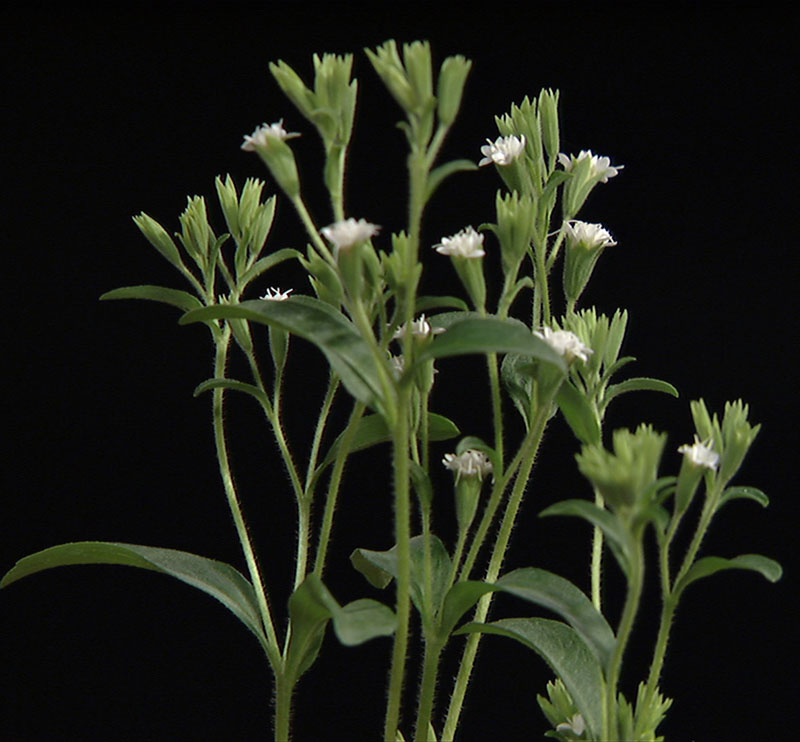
x=217, y=579
x=562, y=597
x=711, y=565
x=490, y=335
x=578, y=413
x=566, y=654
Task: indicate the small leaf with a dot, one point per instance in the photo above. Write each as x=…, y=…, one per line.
x=362, y=620
x=372, y=430
x=181, y=299
x=578, y=413
x=566, y=654
x=749, y=493
x=217, y=579
x=490, y=335
x=710, y=565
x=618, y=538
x=386, y=562
x=639, y=383
x=262, y=266
x=459, y=599
x=443, y=171
x=426, y=303
x=233, y=385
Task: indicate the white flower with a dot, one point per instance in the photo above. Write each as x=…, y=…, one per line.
x=503, y=151
x=701, y=454
x=601, y=167
x=274, y=294
x=420, y=328
x=590, y=236
x=465, y=244
x=565, y=343
x=471, y=463
x=349, y=232
x=576, y=725
x=398, y=365
x=260, y=137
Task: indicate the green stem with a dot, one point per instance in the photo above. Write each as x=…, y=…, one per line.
x=402, y=517
x=283, y=708
x=220, y=361
x=430, y=669
x=632, y=599
x=334, y=485
x=597, y=559
x=528, y=456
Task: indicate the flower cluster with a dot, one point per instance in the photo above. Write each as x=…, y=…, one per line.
x=420, y=328
x=600, y=168
x=471, y=463
x=588, y=236
x=565, y=343
x=349, y=232
x=261, y=136
x=274, y=294
x=701, y=454
x=465, y=244
x=503, y=151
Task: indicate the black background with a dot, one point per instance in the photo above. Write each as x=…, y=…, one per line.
x=109, y=113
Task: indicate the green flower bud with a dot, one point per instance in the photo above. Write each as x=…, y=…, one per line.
x=470, y=467
x=585, y=242
x=269, y=142
x=450, y=88
x=158, y=237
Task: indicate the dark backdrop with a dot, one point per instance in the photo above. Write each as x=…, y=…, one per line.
x=109, y=113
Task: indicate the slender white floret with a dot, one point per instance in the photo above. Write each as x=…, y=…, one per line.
x=600, y=168
x=588, y=236
x=274, y=294
x=567, y=344
x=420, y=328
x=349, y=232
x=701, y=454
x=471, y=463
x=465, y=244
x=503, y=150
x=260, y=137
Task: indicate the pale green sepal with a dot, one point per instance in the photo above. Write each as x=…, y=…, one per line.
x=158, y=237
x=565, y=652
x=217, y=579
x=710, y=565
x=450, y=87
x=181, y=299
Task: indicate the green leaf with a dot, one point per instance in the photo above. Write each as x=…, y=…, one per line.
x=311, y=606
x=459, y=599
x=426, y=303
x=372, y=430
x=749, y=493
x=217, y=579
x=379, y=567
x=309, y=318
x=181, y=299
x=639, y=383
x=490, y=335
x=562, y=597
x=438, y=175
x=264, y=264
x=233, y=385
x=617, y=537
x=578, y=413
x=567, y=655
x=711, y=565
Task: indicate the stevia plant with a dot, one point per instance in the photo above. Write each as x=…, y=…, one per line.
x=382, y=340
